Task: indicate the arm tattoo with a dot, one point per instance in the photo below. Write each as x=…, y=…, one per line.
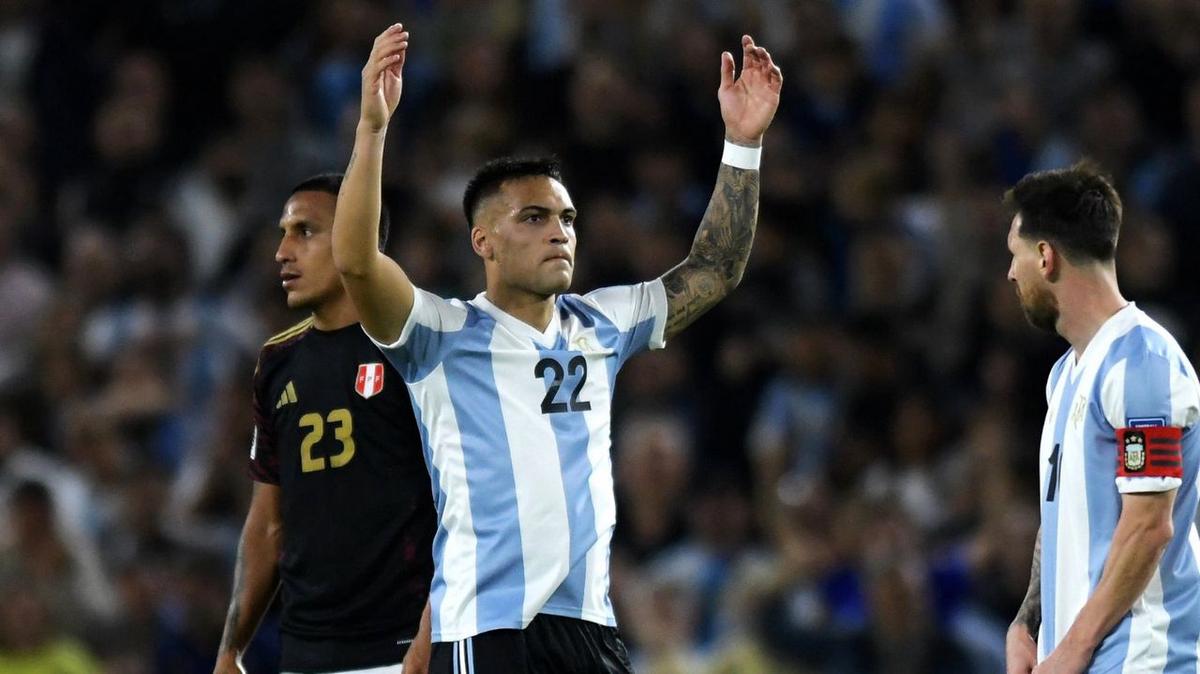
x=230, y=636
x=1030, y=613
x=719, y=252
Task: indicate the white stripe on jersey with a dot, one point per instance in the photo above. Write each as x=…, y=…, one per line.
x=1073, y=548
x=1048, y=432
x=1113, y=395
x=1148, y=630
x=537, y=472
x=458, y=559
x=1047, y=449
x=1043, y=644
x=596, y=606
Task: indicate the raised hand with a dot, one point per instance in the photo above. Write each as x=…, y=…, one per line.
x=381, y=80
x=748, y=102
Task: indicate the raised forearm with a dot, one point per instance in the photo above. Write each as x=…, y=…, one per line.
x=356, y=218
x=719, y=253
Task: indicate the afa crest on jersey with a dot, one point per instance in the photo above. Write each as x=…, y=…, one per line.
x=1135, y=451
x=369, y=381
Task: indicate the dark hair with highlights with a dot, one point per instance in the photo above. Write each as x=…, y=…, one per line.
x=492, y=175
x=331, y=183
x=1076, y=209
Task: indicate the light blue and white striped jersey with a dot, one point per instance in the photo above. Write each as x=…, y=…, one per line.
x=516, y=428
x=1112, y=427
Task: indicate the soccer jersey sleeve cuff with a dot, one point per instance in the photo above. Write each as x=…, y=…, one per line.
x=1146, y=485
x=658, y=295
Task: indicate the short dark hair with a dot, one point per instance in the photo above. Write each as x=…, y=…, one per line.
x=331, y=183
x=492, y=175
x=1075, y=208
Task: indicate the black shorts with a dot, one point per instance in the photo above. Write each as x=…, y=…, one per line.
x=309, y=654
x=550, y=645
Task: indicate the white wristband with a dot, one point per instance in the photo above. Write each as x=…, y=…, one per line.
x=740, y=156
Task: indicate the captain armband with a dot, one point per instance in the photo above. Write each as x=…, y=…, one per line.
x=1150, y=451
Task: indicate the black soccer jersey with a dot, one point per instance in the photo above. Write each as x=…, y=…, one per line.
x=334, y=428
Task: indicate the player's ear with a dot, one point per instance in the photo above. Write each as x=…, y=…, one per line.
x=1050, y=261
x=480, y=243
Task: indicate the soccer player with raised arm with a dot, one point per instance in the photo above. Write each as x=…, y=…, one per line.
x=1115, y=585
x=513, y=388
x=342, y=517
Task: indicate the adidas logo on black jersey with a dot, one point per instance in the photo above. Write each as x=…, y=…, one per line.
x=287, y=397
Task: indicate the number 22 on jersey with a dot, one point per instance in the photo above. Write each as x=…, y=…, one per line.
x=552, y=371
x=343, y=429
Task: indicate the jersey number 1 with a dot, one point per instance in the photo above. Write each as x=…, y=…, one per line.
x=1053, y=487
x=547, y=366
x=342, y=433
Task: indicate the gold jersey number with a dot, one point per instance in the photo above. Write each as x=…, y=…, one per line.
x=343, y=429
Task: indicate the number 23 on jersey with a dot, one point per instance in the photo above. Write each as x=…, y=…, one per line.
x=342, y=425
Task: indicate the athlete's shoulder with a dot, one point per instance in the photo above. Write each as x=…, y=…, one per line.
x=609, y=302
x=1145, y=340
x=1146, y=375
x=1158, y=339
x=280, y=344
x=443, y=314
x=290, y=335
x=585, y=307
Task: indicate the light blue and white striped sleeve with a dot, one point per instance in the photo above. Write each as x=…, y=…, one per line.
x=639, y=313
x=422, y=342
x=1147, y=389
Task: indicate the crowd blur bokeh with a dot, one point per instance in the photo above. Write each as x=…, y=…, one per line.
x=833, y=472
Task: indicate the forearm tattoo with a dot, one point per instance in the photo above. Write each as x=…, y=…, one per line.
x=1030, y=613
x=230, y=639
x=719, y=252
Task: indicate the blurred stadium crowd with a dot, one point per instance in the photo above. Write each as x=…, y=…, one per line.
x=834, y=472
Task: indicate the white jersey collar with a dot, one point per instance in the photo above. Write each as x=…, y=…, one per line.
x=518, y=327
